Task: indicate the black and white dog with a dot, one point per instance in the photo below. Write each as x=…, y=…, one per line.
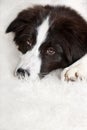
x=51, y=38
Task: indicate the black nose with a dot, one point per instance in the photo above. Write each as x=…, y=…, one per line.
x=22, y=72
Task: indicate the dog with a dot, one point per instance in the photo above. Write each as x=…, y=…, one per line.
x=50, y=38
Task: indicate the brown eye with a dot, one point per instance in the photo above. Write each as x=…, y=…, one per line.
x=50, y=51
x=29, y=43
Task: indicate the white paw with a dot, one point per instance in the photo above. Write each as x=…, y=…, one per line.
x=74, y=73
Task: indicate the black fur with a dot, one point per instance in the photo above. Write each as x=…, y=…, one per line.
x=67, y=35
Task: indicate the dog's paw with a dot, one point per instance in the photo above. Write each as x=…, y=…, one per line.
x=74, y=73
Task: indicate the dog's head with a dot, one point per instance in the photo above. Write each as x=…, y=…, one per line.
x=49, y=38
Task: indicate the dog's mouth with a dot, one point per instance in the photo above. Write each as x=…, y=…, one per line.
x=22, y=74
x=42, y=75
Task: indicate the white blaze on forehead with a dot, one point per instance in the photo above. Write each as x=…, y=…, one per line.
x=31, y=60
x=42, y=32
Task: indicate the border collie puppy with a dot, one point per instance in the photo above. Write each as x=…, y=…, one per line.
x=50, y=38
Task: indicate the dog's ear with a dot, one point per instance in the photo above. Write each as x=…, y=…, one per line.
x=15, y=26
x=21, y=21
x=28, y=16
x=73, y=33
x=24, y=17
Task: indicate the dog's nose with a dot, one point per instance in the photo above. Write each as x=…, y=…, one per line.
x=21, y=72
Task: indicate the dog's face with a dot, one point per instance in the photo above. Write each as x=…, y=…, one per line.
x=45, y=35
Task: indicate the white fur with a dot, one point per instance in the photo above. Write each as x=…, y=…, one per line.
x=46, y=104
x=77, y=71
x=31, y=60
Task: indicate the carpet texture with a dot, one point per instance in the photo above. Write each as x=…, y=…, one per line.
x=47, y=104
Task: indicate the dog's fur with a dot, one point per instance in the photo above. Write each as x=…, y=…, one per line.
x=62, y=38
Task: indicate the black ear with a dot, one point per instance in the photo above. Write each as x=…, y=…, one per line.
x=23, y=18
x=15, y=26
x=12, y=26
x=19, y=23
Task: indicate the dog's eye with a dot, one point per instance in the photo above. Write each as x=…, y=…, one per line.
x=29, y=43
x=50, y=51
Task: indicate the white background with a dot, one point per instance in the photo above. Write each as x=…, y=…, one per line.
x=48, y=104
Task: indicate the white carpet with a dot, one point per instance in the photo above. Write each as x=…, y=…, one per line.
x=48, y=104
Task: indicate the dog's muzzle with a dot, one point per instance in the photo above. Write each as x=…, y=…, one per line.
x=21, y=73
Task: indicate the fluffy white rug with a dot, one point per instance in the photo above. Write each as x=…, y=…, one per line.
x=48, y=104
